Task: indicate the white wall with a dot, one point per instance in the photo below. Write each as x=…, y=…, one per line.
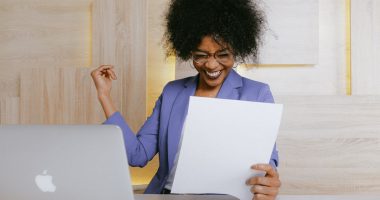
x=325, y=78
x=290, y=38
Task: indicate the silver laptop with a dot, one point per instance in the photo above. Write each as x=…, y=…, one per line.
x=63, y=162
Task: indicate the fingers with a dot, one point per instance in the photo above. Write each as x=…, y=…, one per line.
x=263, y=197
x=264, y=181
x=259, y=189
x=270, y=171
x=112, y=74
x=104, y=70
x=266, y=187
x=105, y=67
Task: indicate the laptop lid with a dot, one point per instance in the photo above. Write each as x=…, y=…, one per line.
x=63, y=162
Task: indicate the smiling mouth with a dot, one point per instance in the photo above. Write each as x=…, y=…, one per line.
x=213, y=75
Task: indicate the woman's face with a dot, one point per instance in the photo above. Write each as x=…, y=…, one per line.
x=213, y=62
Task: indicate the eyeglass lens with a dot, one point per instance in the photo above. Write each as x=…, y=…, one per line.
x=221, y=56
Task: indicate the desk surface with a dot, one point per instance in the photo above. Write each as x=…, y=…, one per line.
x=225, y=197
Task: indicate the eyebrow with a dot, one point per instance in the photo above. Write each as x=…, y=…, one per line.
x=199, y=50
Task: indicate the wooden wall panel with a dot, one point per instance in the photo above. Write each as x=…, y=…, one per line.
x=365, y=47
x=119, y=39
x=160, y=70
x=47, y=46
x=9, y=110
x=132, y=53
x=45, y=33
x=104, y=32
x=330, y=145
x=58, y=96
x=104, y=42
x=326, y=181
x=9, y=82
x=37, y=33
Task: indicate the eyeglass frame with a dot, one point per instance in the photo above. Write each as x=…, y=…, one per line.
x=213, y=55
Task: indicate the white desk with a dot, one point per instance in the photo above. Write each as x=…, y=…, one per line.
x=225, y=197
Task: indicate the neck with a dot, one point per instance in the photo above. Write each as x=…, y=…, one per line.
x=205, y=91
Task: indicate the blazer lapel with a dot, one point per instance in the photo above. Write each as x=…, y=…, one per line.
x=177, y=117
x=229, y=89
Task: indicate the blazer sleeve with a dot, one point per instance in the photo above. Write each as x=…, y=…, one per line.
x=267, y=97
x=142, y=147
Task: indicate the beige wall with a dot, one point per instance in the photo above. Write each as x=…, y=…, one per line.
x=71, y=37
x=48, y=48
x=41, y=35
x=327, y=77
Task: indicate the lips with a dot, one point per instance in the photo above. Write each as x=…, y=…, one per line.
x=213, y=75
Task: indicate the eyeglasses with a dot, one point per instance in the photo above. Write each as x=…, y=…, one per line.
x=222, y=56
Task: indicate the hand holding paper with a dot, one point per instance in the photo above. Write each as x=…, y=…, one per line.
x=222, y=140
x=266, y=187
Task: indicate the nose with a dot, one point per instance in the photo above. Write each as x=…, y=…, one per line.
x=211, y=63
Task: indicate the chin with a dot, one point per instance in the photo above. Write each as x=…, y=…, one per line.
x=215, y=83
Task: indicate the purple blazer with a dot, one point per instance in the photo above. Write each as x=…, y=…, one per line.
x=161, y=131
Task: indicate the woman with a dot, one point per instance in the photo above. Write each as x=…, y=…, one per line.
x=213, y=34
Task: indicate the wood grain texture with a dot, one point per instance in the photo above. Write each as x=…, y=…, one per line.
x=330, y=145
x=133, y=48
x=45, y=44
x=119, y=39
x=160, y=70
x=135, y=82
x=9, y=110
x=44, y=33
x=104, y=41
x=365, y=47
x=58, y=96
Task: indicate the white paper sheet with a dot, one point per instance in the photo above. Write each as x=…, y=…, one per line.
x=222, y=140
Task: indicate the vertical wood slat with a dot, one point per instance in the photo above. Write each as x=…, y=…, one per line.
x=104, y=41
x=365, y=47
x=103, y=32
x=58, y=96
x=133, y=48
x=119, y=38
x=119, y=34
x=9, y=110
x=132, y=43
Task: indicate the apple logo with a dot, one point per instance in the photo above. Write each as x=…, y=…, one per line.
x=45, y=182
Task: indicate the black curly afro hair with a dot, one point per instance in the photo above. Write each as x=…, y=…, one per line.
x=238, y=24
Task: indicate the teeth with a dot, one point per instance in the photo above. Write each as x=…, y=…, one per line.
x=213, y=74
